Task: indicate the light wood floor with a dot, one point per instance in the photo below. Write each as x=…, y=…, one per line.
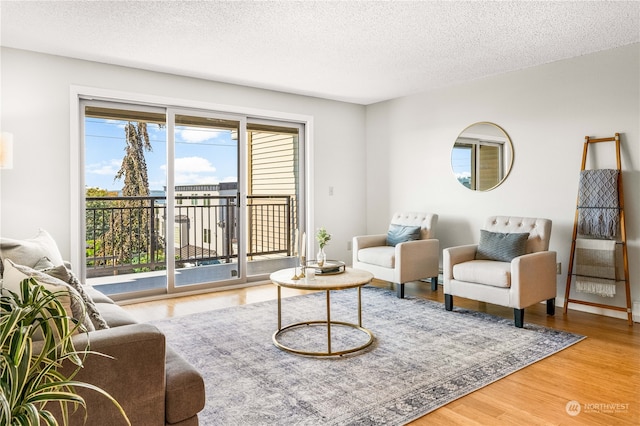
x=600, y=373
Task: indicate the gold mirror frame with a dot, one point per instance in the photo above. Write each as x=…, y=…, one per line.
x=482, y=156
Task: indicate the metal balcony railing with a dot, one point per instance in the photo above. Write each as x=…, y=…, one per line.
x=129, y=234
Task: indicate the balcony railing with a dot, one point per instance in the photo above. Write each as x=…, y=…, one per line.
x=129, y=234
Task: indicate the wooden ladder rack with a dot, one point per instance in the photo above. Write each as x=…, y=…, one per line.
x=623, y=237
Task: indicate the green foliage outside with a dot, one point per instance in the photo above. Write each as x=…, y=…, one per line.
x=118, y=232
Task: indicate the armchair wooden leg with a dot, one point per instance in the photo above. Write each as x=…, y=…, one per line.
x=551, y=306
x=400, y=290
x=448, y=302
x=434, y=283
x=518, y=315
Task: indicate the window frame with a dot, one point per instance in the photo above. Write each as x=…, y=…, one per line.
x=78, y=94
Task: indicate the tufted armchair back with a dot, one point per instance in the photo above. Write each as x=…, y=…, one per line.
x=426, y=221
x=539, y=229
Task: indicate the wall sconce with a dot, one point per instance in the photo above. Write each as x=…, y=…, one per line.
x=6, y=150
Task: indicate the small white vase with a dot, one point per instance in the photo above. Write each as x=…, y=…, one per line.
x=321, y=258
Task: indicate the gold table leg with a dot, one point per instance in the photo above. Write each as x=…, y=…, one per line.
x=360, y=306
x=328, y=323
x=279, y=308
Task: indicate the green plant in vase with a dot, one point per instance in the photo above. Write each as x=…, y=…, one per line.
x=323, y=238
x=35, y=341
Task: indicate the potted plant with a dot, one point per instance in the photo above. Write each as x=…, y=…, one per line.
x=323, y=238
x=35, y=340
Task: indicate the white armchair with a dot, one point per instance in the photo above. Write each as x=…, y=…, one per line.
x=529, y=278
x=408, y=252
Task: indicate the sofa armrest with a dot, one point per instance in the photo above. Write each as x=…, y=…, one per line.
x=417, y=259
x=459, y=254
x=185, y=393
x=452, y=256
x=533, y=278
x=135, y=376
x=364, y=241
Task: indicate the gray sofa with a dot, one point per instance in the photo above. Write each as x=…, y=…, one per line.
x=154, y=384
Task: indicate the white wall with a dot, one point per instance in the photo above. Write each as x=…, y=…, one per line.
x=547, y=111
x=35, y=99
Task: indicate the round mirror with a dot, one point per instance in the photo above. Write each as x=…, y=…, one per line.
x=482, y=156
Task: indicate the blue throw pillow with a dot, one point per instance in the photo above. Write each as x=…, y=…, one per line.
x=399, y=234
x=501, y=246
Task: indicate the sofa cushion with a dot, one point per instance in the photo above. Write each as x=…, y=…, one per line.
x=488, y=272
x=97, y=296
x=401, y=233
x=382, y=256
x=30, y=252
x=114, y=315
x=501, y=246
x=185, y=395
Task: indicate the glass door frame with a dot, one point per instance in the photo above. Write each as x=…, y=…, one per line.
x=241, y=152
x=302, y=178
x=115, y=104
x=135, y=100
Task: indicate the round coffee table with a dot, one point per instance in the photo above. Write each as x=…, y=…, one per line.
x=350, y=278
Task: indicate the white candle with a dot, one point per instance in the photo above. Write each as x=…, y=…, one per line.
x=303, y=248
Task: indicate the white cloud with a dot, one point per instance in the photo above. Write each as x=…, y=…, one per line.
x=103, y=168
x=197, y=135
x=157, y=184
x=195, y=179
x=118, y=123
x=193, y=170
x=193, y=165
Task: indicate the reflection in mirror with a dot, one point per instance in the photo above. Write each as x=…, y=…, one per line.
x=482, y=156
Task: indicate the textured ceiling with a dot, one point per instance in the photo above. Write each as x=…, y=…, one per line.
x=354, y=51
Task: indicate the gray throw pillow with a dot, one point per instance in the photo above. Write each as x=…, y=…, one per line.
x=29, y=252
x=501, y=246
x=62, y=273
x=65, y=274
x=76, y=308
x=400, y=233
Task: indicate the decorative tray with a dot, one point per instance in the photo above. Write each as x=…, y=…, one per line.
x=330, y=267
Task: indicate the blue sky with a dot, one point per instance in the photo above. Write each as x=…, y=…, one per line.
x=461, y=162
x=203, y=156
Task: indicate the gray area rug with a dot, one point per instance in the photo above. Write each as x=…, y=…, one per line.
x=423, y=358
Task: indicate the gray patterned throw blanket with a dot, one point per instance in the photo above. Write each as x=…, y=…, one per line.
x=596, y=266
x=598, y=214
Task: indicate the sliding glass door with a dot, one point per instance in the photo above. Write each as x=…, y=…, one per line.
x=274, y=195
x=179, y=199
x=124, y=197
x=204, y=219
